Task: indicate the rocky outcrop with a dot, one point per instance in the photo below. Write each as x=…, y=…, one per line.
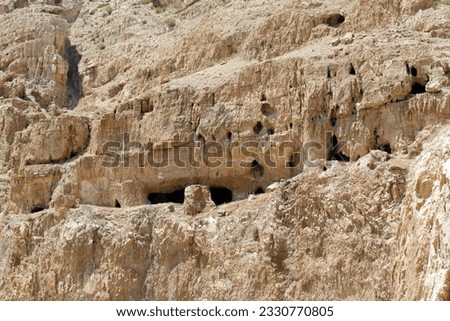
x=224, y=150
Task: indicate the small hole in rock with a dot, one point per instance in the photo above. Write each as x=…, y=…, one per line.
x=263, y=97
x=352, y=70
x=38, y=208
x=291, y=125
x=324, y=168
x=117, y=204
x=176, y=196
x=270, y=131
x=259, y=190
x=257, y=128
x=335, y=20
x=333, y=121
x=229, y=135
x=221, y=195
x=413, y=71
x=267, y=109
x=257, y=169
x=146, y=107
x=201, y=138
x=386, y=148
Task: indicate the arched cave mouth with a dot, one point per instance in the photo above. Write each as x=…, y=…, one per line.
x=221, y=195
x=335, y=20
x=176, y=196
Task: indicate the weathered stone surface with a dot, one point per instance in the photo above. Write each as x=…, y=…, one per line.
x=121, y=176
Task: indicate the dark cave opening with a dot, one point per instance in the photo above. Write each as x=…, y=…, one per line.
x=335, y=20
x=386, y=148
x=333, y=121
x=294, y=160
x=74, y=79
x=176, y=196
x=259, y=190
x=257, y=169
x=257, y=128
x=267, y=109
x=417, y=89
x=117, y=204
x=221, y=195
x=38, y=208
x=335, y=151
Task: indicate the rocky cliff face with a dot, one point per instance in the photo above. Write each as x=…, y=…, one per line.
x=224, y=150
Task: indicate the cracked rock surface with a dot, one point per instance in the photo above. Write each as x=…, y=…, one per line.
x=122, y=177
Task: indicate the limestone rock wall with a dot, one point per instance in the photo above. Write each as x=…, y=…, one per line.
x=342, y=192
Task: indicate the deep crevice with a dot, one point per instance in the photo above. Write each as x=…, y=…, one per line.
x=294, y=160
x=335, y=151
x=221, y=195
x=176, y=196
x=74, y=79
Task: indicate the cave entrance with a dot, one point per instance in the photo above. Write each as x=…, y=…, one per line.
x=259, y=190
x=221, y=195
x=38, y=208
x=335, y=151
x=386, y=148
x=418, y=89
x=335, y=20
x=176, y=196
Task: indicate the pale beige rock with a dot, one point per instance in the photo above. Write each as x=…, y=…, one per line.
x=197, y=198
x=85, y=86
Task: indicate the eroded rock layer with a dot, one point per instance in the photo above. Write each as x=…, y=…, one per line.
x=224, y=150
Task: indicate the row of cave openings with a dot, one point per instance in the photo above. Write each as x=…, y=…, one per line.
x=219, y=195
x=267, y=110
